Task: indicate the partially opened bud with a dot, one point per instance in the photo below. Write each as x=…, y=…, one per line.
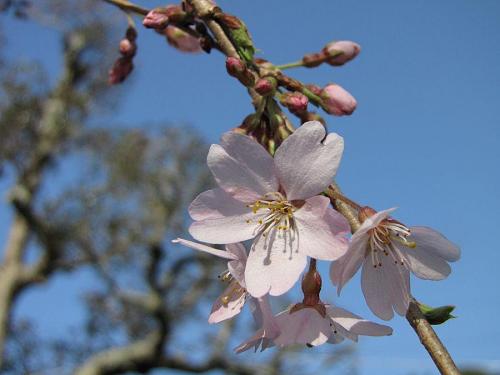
x=266, y=86
x=181, y=40
x=341, y=52
x=296, y=102
x=337, y=101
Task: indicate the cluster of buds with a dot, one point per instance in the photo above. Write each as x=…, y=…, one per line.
x=124, y=65
x=175, y=23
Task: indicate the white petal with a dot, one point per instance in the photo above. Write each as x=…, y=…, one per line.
x=398, y=282
x=346, y=267
x=435, y=242
x=429, y=259
x=205, y=248
x=317, y=230
x=373, y=284
x=306, y=164
x=240, y=163
x=376, y=219
x=386, y=287
x=305, y=326
x=223, y=311
x=237, y=267
x=355, y=324
x=226, y=230
x=273, y=266
x=215, y=203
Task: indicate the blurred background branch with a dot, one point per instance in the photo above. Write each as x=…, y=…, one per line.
x=106, y=201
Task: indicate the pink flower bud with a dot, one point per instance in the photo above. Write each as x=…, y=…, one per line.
x=266, y=86
x=237, y=68
x=156, y=19
x=337, y=101
x=181, y=40
x=348, y=50
x=127, y=48
x=296, y=102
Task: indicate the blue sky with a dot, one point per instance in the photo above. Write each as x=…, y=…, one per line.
x=424, y=137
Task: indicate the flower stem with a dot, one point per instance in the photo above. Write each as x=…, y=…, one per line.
x=431, y=341
x=335, y=193
x=295, y=64
x=129, y=7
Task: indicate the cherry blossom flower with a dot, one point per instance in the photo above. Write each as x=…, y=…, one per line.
x=232, y=299
x=309, y=326
x=388, y=250
x=275, y=202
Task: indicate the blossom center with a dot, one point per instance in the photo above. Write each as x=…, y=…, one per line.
x=382, y=239
x=279, y=213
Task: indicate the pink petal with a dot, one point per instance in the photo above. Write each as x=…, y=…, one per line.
x=355, y=324
x=226, y=230
x=273, y=266
x=221, y=311
x=429, y=259
x=305, y=326
x=216, y=203
x=398, y=280
x=377, y=297
x=435, y=242
x=385, y=287
x=263, y=316
x=240, y=163
x=305, y=163
x=316, y=235
x=375, y=220
x=206, y=249
x=346, y=267
x=237, y=267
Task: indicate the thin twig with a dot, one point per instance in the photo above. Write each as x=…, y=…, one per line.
x=129, y=7
x=431, y=341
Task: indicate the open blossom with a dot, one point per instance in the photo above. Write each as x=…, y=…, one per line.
x=232, y=299
x=275, y=202
x=308, y=326
x=388, y=251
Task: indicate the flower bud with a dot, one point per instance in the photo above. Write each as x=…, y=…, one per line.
x=341, y=52
x=181, y=40
x=296, y=102
x=120, y=71
x=238, y=69
x=266, y=86
x=156, y=19
x=337, y=101
x=127, y=48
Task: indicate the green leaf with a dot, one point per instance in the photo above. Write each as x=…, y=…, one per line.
x=437, y=315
